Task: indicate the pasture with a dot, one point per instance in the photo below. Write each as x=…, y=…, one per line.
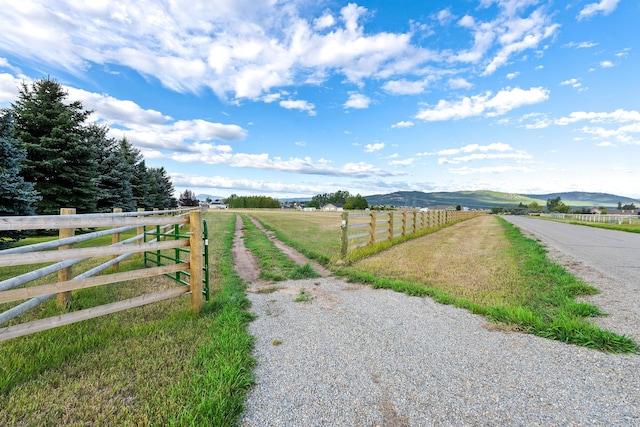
x=161, y=365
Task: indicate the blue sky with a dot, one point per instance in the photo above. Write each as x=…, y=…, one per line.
x=299, y=97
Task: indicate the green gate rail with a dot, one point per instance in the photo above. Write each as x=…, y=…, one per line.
x=158, y=257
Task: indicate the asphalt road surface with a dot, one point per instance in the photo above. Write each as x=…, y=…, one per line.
x=606, y=259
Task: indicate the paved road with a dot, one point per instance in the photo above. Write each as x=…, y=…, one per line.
x=606, y=259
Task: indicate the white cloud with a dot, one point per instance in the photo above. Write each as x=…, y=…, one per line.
x=509, y=31
x=9, y=88
x=459, y=83
x=604, y=6
x=581, y=45
x=301, y=105
x=405, y=162
x=225, y=183
x=370, y=148
x=325, y=21
x=490, y=170
x=445, y=16
x=403, y=124
x=606, y=64
x=357, y=100
x=622, y=126
x=512, y=76
x=503, y=102
x=404, y=87
x=300, y=143
x=240, y=48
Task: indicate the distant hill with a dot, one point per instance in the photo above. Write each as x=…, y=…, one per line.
x=488, y=199
x=203, y=197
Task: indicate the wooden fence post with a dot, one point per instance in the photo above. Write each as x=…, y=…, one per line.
x=196, y=259
x=64, y=298
x=115, y=238
x=391, y=225
x=344, y=236
x=404, y=223
x=372, y=229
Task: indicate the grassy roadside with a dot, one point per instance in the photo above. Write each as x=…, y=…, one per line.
x=153, y=365
x=493, y=270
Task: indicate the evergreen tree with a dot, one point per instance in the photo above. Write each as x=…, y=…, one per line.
x=141, y=186
x=61, y=158
x=17, y=196
x=115, y=175
x=161, y=191
x=188, y=199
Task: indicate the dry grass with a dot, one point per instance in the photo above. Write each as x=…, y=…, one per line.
x=469, y=260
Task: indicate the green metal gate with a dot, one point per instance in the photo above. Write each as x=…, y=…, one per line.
x=176, y=255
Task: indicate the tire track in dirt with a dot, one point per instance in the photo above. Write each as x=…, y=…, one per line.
x=246, y=263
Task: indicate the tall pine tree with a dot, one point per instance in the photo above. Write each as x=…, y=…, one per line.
x=115, y=174
x=17, y=196
x=61, y=155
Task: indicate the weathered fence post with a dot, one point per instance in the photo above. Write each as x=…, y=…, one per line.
x=115, y=238
x=344, y=239
x=64, y=298
x=391, y=225
x=372, y=238
x=196, y=259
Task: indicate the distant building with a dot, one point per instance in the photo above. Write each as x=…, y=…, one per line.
x=333, y=207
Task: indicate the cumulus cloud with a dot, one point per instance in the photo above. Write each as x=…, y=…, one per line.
x=299, y=105
x=490, y=170
x=606, y=64
x=357, y=100
x=459, y=83
x=225, y=183
x=487, y=104
x=405, y=162
x=621, y=125
x=404, y=87
x=509, y=32
x=403, y=124
x=603, y=6
x=370, y=148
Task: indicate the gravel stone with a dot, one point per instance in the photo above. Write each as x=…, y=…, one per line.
x=357, y=356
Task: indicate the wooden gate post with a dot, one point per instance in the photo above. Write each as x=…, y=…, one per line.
x=404, y=223
x=196, y=259
x=391, y=224
x=64, y=298
x=372, y=229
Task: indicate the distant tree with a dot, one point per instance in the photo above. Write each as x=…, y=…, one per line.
x=619, y=206
x=356, y=202
x=17, y=197
x=556, y=205
x=188, y=199
x=61, y=159
x=534, y=206
x=628, y=207
x=252, y=202
x=320, y=200
x=459, y=207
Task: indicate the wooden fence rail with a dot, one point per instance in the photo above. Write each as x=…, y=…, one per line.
x=360, y=229
x=66, y=223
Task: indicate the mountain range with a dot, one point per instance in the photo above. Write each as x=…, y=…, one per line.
x=488, y=199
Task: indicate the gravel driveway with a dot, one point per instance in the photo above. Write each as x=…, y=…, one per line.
x=356, y=356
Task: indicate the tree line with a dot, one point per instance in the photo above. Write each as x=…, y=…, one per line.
x=51, y=157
